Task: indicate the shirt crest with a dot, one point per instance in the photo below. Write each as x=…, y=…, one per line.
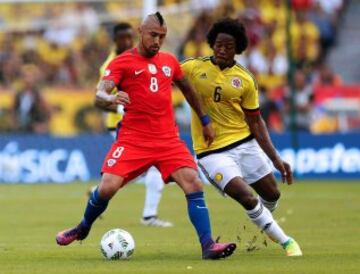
x=152, y=68
x=166, y=70
x=236, y=82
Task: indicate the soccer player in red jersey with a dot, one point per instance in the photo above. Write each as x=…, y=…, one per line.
x=149, y=136
x=124, y=40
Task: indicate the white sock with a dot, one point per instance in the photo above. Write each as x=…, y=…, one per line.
x=262, y=217
x=269, y=205
x=154, y=186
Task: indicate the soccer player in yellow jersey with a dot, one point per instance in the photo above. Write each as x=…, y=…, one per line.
x=236, y=158
x=123, y=36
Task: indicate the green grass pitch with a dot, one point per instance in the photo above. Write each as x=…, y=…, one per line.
x=323, y=217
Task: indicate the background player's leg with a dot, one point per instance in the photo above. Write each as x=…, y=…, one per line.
x=154, y=186
x=96, y=205
x=268, y=191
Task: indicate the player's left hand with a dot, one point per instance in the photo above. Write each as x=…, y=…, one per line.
x=209, y=134
x=285, y=170
x=121, y=98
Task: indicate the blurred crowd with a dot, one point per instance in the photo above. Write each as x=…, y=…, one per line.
x=313, y=31
x=68, y=49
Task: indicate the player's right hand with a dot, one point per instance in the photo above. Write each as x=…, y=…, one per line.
x=209, y=134
x=285, y=169
x=120, y=98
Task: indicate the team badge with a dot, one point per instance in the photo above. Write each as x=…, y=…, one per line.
x=107, y=72
x=236, y=82
x=167, y=71
x=218, y=177
x=111, y=162
x=152, y=69
x=203, y=75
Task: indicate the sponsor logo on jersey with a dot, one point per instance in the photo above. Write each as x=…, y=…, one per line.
x=166, y=70
x=107, y=72
x=152, y=69
x=111, y=162
x=236, y=82
x=137, y=72
x=218, y=177
x=203, y=75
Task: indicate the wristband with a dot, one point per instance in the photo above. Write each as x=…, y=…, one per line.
x=205, y=120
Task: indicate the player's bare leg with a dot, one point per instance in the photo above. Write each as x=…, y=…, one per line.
x=268, y=191
x=154, y=186
x=96, y=205
x=190, y=183
x=238, y=189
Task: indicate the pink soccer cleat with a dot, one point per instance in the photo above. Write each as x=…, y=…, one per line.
x=218, y=251
x=78, y=233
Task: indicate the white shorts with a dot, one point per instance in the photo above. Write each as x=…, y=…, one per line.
x=247, y=161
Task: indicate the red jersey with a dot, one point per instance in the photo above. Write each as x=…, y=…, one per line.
x=148, y=83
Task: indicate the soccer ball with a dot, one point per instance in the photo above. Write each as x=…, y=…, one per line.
x=117, y=244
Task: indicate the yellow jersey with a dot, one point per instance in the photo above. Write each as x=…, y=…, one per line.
x=225, y=95
x=112, y=118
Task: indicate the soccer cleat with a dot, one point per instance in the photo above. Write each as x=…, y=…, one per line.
x=218, y=251
x=78, y=233
x=156, y=222
x=292, y=248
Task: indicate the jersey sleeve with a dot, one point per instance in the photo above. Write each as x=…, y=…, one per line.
x=250, y=98
x=187, y=66
x=114, y=71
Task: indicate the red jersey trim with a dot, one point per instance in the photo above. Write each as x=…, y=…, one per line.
x=254, y=112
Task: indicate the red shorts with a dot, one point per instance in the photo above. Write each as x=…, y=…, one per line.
x=129, y=159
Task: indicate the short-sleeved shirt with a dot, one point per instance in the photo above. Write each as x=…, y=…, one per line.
x=226, y=95
x=148, y=82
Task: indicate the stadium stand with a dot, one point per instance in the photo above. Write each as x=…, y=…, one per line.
x=68, y=42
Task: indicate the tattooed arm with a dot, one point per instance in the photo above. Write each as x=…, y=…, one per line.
x=107, y=101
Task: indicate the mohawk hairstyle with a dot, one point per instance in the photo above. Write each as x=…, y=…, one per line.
x=160, y=18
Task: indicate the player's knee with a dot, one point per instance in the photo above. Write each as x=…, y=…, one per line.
x=272, y=196
x=248, y=201
x=239, y=191
x=192, y=184
x=108, y=187
x=197, y=184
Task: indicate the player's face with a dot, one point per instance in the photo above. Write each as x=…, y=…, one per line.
x=152, y=38
x=124, y=40
x=224, y=49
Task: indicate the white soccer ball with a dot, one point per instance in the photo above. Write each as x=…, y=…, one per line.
x=117, y=244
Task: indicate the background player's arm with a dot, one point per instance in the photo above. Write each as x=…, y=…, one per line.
x=194, y=101
x=105, y=100
x=258, y=129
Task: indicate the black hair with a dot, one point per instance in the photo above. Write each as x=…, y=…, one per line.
x=121, y=26
x=232, y=27
x=160, y=18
